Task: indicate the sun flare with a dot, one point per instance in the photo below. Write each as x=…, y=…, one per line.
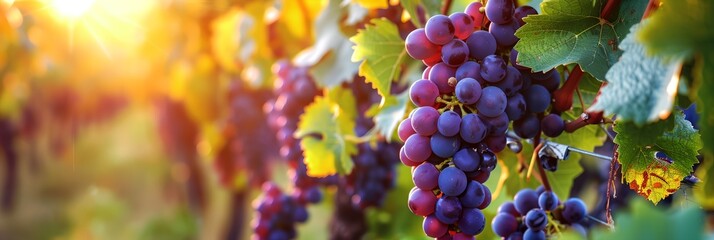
x=72, y=8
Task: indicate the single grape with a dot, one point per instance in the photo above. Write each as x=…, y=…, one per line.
x=493, y=69
x=421, y=202
x=509, y=208
x=481, y=44
x=474, y=10
x=574, y=210
x=487, y=199
x=470, y=69
x=423, y=93
x=512, y=83
x=463, y=25
x=505, y=34
x=488, y=161
x=405, y=160
x=473, y=196
x=527, y=127
x=527, y=81
x=300, y=214
x=473, y=129
x=432, y=60
x=443, y=146
x=472, y=221
x=417, y=148
x=481, y=175
x=448, y=209
x=455, y=53
x=440, y=75
x=522, y=12
x=537, y=98
x=552, y=82
x=534, y=235
x=516, y=107
x=515, y=236
x=424, y=121
x=452, y=181
x=449, y=123
x=504, y=224
x=536, y=219
x=467, y=159
x=426, y=176
x=514, y=61
x=540, y=190
x=405, y=129
x=439, y=29
x=462, y=236
x=548, y=201
x=492, y=102
x=418, y=46
x=525, y=200
x=433, y=227
x=500, y=11
x=468, y=91
x=497, y=125
x=552, y=125
x=425, y=73
x=496, y=143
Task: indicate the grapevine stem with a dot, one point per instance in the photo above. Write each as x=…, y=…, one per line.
x=541, y=171
x=445, y=8
x=534, y=158
x=611, y=185
x=651, y=7
x=609, y=6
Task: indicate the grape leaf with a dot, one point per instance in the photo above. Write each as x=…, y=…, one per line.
x=330, y=48
x=382, y=52
x=704, y=81
x=650, y=177
x=562, y=179
x=430, y=7
x=679, y=28
x=570, y=31
x=638, y=84
x=388, y=114
x=373, y=4
x=323, y=129
x=645, y=221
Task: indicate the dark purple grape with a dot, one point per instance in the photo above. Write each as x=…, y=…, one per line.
x=300, y=214
x=469, y=69
x=487, y=199
x=481, y=175
x=481, y=44
x=500, y=11
x=548, y=201
x=417, y=148
x=418, y=46
x=423, y=93
x=551, y=83
x=443, y=146
x=474, y=10
x=504, y=224
x=488, y=161
x=473, y=130
x=440, y=75
x=527, y=127
x=515, y=236
x=462, y=236
x=426, y=176
x=505, y=34
x=473, y=196
x=492, y=102
x=468, y=91
x=463, y=25
x=433, y=227
x=574, y=210
x=515, y=62
x=493, y=69
x=439, y=29
x=497, y=126
x=449, y=123
x=455, y=53
x=405, y=129
x=467, y=159
x=512, y=83
x=525, y=200
x=537, y=98
x=424, y=121
x=452, y=181
x=536, y=219
x=496, y=143
x=534, y=235
x=522, y=12
x=421, y=202
x=509, y=208
x=472, y=221
x=448, y=209
x=516, y=107
x=552, y=125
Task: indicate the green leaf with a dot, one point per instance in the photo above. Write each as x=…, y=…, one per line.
x=431, y=7
x=680, y=28
x=645, y=221
x=571, y=31
x=704, y=81
x=382, y=52
x=389, y=113
x=646, y=175
x=637, y=84
x=562, y=180
x=323, y=130
x=331, y=47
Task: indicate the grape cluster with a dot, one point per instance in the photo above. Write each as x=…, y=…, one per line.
x=278, y=213
x=530, y=213
x=470, y=91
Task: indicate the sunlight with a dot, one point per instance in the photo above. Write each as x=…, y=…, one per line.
x=72, y=8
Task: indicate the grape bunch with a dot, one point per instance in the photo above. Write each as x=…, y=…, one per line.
x=470, y=92
x=536, y=214
x=278, y=213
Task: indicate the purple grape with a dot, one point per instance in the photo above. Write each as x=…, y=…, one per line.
x=455, y=53
x=448, y=209
x=515, y=236
x=425, y=74
x=440, y=75
x=527, y=127
x=509, y=208
x=472, y=221
x=525, y=200
x=443, y=146
x=405, y=160
x=504, y=224
x=405, y=129
x=537, y=98
x=512, y=83
x=473, y=129
x=452, y=181
x=474, y=10
x=492, y=102
x=468, y=160
x=500, y=11
x=496, y=125
x=534, y=235
x=552, y=82
x=522, y=12
x=469, y=69
x=463, y=25
x=473, y=196
x=433, y=227
x=418, y=46
x=548, y=201
x=426, y=176
x=424, y=121
x=527, y=81
x=552, y=125
x=481, y=44
x=417, y=148
x=468, y=91
x=423, y=93
x=505, y=34
x=514, y=61
x=516, y=107
x=462, y=236
x=493, y=69
x=496, y=143
x=449, y=123
x=421, y=202
x=574, y=210
x=536, y=219
x=487, y=199
x=488, y=161
x=432, y=60
x=439, y=29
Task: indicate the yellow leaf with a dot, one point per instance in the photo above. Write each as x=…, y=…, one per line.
x=654, y=183
x=373, y=4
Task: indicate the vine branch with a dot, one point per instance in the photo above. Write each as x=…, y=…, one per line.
x=609, y=6
x=445, y=8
